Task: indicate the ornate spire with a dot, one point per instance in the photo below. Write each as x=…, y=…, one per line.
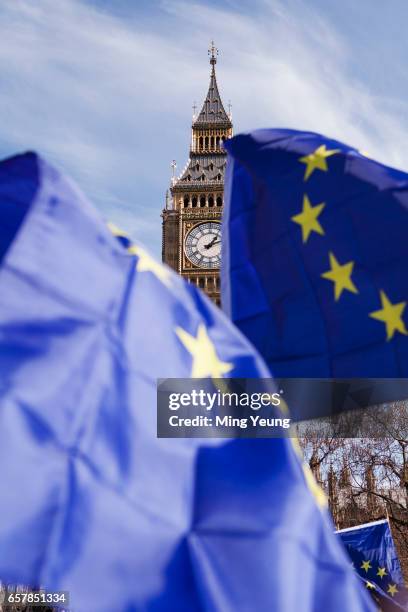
x=213, y=111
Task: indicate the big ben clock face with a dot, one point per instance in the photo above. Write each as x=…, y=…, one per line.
x=203, y=245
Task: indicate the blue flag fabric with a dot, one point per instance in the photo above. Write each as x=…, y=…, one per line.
x=91, y=501
x=385, y=601
x=315, y=256
x=374, y=556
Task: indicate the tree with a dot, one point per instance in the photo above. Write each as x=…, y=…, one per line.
x=361, y=460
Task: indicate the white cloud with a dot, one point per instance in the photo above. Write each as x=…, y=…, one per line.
x=109, y=99
x=287, y=67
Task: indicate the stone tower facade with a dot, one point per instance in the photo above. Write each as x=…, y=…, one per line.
x=191, y=242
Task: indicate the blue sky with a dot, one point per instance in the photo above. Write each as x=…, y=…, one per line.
x=104, y=88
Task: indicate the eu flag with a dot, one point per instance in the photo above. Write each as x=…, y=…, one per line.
x=92, y=502
x=315, y=256
x=373, y=554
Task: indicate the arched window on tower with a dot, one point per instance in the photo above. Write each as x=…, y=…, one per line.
x=206, y=142
x=186, y=201
x=201, y=143
x=202, y=201
x=194, y=202
x=210, y=201
x=219, y=201
x=201, y=283
x=217, y=142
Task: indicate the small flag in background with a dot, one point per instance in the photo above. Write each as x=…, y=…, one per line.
x=315, y=256
x=91, y=501
x=374, y=556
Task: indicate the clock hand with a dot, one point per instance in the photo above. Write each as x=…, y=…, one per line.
x=210, y=244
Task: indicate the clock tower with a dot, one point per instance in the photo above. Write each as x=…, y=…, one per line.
x=192, y=216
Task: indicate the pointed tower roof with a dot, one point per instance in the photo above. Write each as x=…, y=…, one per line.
x=213, y=112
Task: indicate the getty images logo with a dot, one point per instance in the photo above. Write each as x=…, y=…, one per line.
x=209, y=401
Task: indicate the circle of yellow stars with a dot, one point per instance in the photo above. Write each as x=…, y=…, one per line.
x=381, y=573
x=205, y=361
x=340, y=273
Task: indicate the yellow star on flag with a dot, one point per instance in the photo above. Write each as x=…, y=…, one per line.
x=366, y=565
x=317, y=160
x=206, y=362
x=392, y=589
x=370, y=585
x=340, y=275
x=116, y=231
x=308, y=218
x=381, y=572
x=146, y=263
x=390, y=314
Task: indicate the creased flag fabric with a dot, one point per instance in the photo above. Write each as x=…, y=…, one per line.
x=315, y=255
x=372, y=551
x=385, y=601
x=91, y=501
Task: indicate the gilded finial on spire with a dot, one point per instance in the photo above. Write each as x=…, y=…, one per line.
x=213, y=52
